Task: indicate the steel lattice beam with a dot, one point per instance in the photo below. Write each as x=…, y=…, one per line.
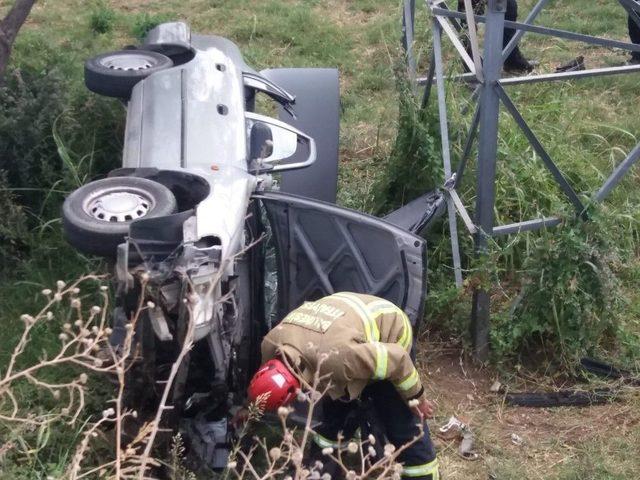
x=490, y=94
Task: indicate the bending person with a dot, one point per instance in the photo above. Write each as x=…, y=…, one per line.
x=361, y=346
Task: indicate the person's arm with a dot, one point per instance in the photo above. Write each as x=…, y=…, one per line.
x=388, y=361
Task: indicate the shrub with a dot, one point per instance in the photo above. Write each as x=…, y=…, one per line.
x=414, y=166
x=29, y=105
x=13, y=231
x=102, y=19
x=569, y=299
x=32, y=103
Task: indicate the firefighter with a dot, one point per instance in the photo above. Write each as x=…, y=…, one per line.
x=362, y=344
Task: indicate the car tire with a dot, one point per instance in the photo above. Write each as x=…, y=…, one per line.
x=96, y=217
x=114, y=74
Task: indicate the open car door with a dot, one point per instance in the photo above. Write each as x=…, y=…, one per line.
x=322, y=248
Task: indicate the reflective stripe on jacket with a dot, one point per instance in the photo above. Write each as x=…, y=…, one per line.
x=361, y=338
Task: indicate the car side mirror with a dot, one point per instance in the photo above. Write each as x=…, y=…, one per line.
x=283, y=143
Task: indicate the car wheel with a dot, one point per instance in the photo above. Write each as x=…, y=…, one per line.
x=96, y=217
x=114, y=74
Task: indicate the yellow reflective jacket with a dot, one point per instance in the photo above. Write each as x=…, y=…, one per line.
x=361, y=338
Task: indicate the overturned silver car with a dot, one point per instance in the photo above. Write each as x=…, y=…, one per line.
x=232, y=209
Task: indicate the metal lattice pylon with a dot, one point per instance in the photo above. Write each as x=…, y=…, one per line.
x=485, y=74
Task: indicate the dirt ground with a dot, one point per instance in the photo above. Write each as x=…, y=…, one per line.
x=553, y=440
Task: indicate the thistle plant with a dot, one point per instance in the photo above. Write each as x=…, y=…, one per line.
x=83, y=350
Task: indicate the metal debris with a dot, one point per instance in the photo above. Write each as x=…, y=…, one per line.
x=466, y=449
x=452, y=430
x=517, y=439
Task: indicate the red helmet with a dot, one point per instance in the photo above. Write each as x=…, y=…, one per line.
x=277, y=380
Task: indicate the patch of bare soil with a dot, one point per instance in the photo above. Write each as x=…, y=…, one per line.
x=538, y=439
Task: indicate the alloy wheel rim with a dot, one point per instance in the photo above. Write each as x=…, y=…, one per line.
x=118, y=205
x=128, y=62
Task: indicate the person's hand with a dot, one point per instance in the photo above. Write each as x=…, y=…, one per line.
x=424, y=408
x=240, y=417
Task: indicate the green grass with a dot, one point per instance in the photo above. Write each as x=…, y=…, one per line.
x=587, y=127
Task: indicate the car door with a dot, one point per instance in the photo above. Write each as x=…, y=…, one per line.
x=322, y=248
